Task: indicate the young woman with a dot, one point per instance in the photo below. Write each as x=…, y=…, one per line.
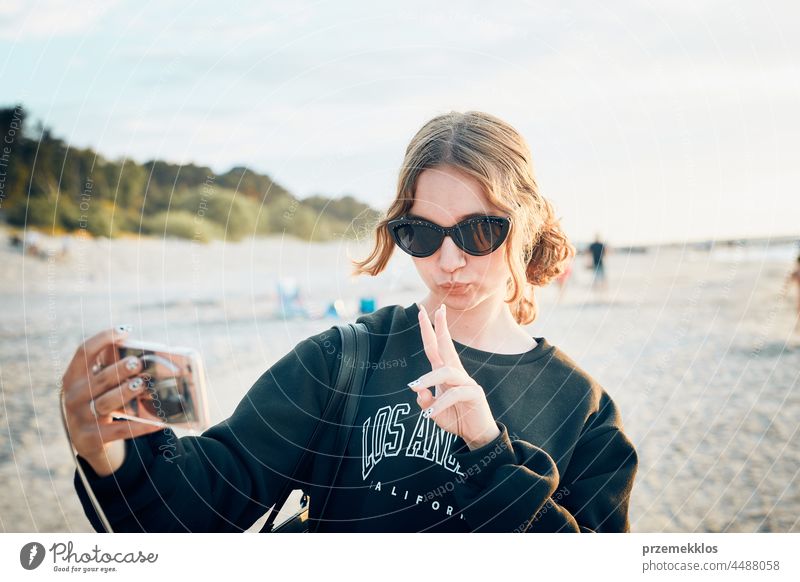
x=466, y=422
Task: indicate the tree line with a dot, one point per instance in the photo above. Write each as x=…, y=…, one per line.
x=47, y=184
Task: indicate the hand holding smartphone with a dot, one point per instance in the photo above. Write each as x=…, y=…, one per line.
x=115, y=389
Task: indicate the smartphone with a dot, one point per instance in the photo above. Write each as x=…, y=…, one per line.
x=175, y=386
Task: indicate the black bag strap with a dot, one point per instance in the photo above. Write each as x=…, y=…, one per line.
x=346, y=392
x=356, y=370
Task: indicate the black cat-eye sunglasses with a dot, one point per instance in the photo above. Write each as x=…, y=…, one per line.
x=477, y=236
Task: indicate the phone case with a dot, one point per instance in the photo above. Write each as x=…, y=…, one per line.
x=175, y=386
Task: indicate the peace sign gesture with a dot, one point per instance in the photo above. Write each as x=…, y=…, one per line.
x=460, y=406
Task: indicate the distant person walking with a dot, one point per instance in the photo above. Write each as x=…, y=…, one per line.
x=598, y=251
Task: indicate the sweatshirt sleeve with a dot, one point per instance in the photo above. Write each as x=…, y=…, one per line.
x=226, y=478
x=511, y=485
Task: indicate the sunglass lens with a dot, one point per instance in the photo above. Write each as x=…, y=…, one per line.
x=483, y=236
x=418, y=239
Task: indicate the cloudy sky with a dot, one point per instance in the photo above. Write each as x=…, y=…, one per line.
x=648, y=121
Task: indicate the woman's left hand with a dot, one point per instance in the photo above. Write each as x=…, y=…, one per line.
x=460, y=406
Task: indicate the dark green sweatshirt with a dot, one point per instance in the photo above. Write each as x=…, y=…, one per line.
x=562, y=462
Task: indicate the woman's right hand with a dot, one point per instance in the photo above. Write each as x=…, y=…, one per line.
x=99, y=439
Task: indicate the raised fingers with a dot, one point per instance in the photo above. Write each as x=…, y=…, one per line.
x=447, y=351
x=429, y=340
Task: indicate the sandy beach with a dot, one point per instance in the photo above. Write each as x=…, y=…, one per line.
x=695, y=346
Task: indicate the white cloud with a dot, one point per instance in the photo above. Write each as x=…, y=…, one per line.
x=22, y=21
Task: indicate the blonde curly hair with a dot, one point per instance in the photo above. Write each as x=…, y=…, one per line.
x=494, y=153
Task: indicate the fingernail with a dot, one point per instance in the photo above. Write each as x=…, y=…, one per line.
x=414, y=383
x=427, y=412
x=444, y=308
x=125, y=328
x=135, y=384
x=132, y=363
